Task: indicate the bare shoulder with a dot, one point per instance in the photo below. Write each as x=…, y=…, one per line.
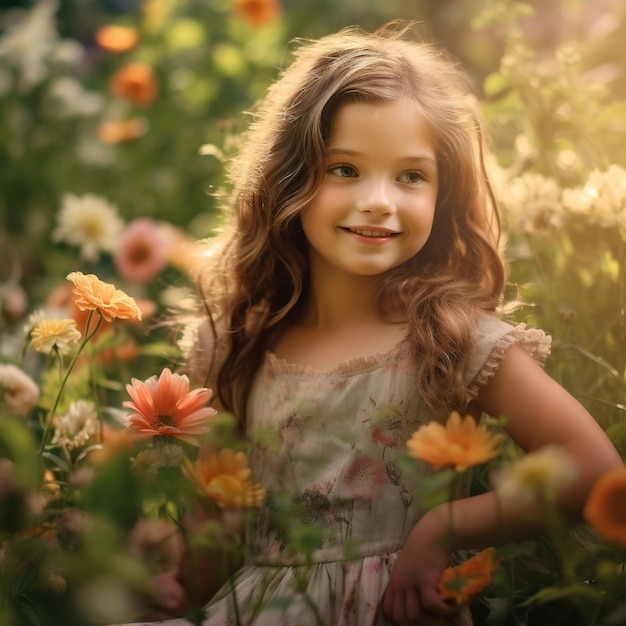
x=539, y=411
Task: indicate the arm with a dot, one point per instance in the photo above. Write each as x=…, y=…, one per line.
x=539, y=412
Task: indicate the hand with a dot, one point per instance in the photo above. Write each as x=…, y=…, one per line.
x=412, y=598
x=168, y=597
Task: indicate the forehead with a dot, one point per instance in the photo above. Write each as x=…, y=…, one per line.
x=391, y=124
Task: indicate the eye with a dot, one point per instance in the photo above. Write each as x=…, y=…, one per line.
x=343, y=171
x=412, y=177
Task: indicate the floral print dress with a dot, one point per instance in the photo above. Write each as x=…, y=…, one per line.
x=330, y=445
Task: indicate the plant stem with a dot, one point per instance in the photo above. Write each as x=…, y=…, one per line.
x=88, y=336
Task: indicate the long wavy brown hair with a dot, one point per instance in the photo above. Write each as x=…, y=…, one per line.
x=260, y=280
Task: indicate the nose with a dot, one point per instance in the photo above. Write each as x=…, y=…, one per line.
x=376, y=199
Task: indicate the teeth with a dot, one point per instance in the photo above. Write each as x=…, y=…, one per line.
x=370, y=233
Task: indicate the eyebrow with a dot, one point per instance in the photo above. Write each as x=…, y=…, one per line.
x=348, y=152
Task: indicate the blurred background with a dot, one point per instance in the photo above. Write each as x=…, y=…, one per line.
x=116, y=118
x=116, y=110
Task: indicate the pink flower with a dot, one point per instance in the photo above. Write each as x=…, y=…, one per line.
x=166, y=407
x=142, y=252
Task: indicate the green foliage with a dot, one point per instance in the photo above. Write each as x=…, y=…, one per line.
x=555, y=99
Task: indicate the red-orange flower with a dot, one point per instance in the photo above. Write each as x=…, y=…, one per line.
x=463, y=582
x=117, y=38
x=605, y=508
x=119, y=131
x=224, y=478
x=258, y=12
x=135, y=82
x=164, y=406
x=96, y=295
x=460, y=443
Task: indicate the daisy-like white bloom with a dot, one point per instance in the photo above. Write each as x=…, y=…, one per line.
x=142, y=252
x=605, y=508
x=463, y=582
x=146, y=464
x=88, y=221
x=72, y=99
x=29, y=42
x=225, y=478
x=461, y=443
x=60, y=334
x=18, y=391
x=164, y=406
x=602, y=200
x=540, y=474
x=532, y=204
x=74, y=429
x=96, y=295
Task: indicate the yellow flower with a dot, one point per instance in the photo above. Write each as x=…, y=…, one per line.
x=96, y=295
x=605, y=508
x=463, y=582
x=224, y=478
x=539, y=474
x=461, y=443
x=48, y=334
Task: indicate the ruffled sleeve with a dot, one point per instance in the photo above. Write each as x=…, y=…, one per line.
x=492, y=339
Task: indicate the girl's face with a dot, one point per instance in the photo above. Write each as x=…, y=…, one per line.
x=376, y=205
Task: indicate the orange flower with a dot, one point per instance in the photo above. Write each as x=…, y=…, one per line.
x=96, y=295
x=224, y=478
x=136, y=82
x=461, y=443
x=166, y=407
x=258, y=12
x=605, y=508
x=463, y=582
x=117, y=38
x=113, y=132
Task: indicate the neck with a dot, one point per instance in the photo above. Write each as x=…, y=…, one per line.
x=341, y=300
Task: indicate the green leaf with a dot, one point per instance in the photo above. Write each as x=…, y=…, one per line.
x=495, y=85
x=577, y=591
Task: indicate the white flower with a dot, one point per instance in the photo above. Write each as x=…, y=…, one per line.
x=90, y=222
x=18, y=392
x=532, y=204
x=146, y=464
x=28, y=43
x=74, y=429
x=170, y=454
x=540, y=474
x=68, y=53
x=602, y=200
x=72, y=99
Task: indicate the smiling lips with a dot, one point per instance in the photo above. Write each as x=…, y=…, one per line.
x=365, y=232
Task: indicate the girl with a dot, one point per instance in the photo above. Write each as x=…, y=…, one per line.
x=356, y=300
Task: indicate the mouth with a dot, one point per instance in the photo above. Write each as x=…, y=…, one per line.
x=370, y=232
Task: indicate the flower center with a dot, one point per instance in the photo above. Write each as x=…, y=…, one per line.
x=164, y=419
x=140, y=253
